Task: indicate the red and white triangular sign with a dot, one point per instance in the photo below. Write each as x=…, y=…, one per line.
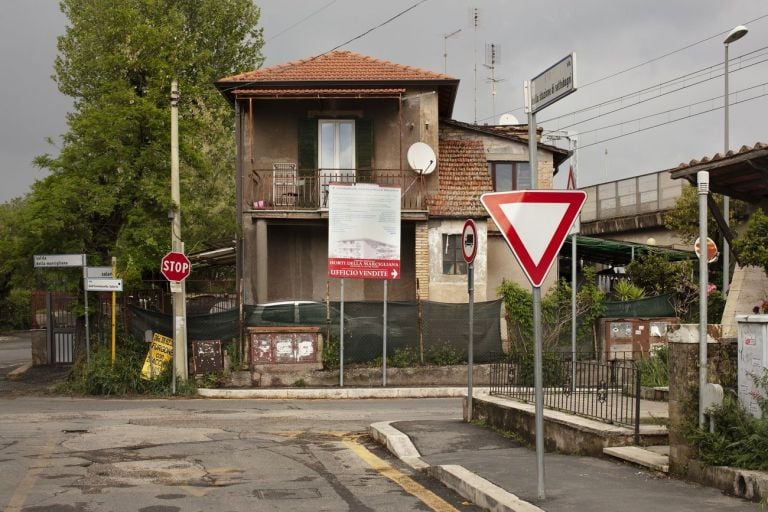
x=534, y=223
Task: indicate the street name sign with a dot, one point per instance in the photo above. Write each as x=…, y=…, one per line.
x=534, y=224
x=104, y=285
x=59, y=260
x=99, y=272
x=554, y=83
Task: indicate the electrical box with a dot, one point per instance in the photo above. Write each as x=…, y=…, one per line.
x=752, y=360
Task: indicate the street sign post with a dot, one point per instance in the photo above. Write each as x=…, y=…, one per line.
x=175, y=266
x=469, y=251
x=104, y=285
x=534, y=224
x=99, y=272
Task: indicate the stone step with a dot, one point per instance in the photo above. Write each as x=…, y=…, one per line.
x=648, y=457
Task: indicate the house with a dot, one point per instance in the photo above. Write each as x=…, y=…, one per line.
x=350, y=118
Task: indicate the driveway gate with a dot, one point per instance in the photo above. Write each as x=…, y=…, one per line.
x=61, y=327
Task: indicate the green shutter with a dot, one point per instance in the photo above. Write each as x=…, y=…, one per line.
x=307, y=144
x=364, y=144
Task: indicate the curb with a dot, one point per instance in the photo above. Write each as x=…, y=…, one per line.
x=478, y=490
x=334, y=393
x=19, y=372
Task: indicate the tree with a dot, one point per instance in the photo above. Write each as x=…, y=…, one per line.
x=108, y=191
x=752, y=245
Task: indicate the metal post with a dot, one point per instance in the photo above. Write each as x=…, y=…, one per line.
x=726, y=199
x=471, y=348
x=539, y=392
x=179, y=296
x=538, y=380
x=574, y=323
x=87, y=322
x=384, y=340
x=114, y=320
x=702, y=178
x=341, y=335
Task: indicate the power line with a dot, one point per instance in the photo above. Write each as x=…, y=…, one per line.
x=302, y=20
x=636, y=66
x=385, y=22
x=668, y=122
x=682, y=78
x=393, y=18
x=653, y=98
x=664, y=111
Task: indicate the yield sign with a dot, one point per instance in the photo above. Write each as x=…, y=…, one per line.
x=534, y=223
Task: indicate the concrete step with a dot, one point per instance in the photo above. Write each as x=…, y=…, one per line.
x=651, y=457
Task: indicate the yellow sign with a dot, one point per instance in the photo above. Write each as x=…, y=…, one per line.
x=160, y=353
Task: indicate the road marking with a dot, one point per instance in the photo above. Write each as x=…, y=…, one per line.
x=410, y=486
x=22, y=490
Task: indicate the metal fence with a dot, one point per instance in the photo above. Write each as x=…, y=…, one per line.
x=606, y=391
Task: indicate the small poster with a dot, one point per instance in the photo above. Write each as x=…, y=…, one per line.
x=160, y=353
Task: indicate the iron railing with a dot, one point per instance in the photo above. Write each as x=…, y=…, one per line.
x=307, y=189
x=607, y=391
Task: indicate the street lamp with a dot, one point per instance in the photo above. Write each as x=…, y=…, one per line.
x=734, y=35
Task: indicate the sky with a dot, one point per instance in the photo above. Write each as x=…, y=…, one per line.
x=673, y=50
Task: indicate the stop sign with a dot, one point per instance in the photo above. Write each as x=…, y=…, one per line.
x=175, y=266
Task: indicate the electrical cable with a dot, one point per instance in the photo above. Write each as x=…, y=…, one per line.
x=302, y=20
x=668, y=122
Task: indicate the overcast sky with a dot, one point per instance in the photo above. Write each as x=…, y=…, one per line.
x=607, y=36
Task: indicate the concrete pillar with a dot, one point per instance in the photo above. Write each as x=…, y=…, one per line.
x=683, y=343
x=748, y=289
x=262, y=266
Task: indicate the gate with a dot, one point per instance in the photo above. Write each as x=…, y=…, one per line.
x=61, y=326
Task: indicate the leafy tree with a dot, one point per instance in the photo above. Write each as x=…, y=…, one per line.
x=684, y=217
x=752, y=245
x=108, y=189
x=555, y=311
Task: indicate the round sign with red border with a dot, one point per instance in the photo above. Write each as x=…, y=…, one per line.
x=469, y=241
x=175, y=266
x=712, y=252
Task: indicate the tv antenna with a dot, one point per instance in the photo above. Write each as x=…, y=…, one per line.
x=476, y=21
x=445, y=48
x=493, y=57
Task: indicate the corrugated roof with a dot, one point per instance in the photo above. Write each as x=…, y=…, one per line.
x=463, y=177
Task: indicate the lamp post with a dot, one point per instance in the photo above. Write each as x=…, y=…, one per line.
x=734, y=35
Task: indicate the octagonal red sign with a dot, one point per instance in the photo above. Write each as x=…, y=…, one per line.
x=175, y=266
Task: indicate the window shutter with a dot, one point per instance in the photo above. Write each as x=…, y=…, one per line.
x=307, y=144
x=364, y=144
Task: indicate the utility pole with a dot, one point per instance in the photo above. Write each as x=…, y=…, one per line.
x=178, y=289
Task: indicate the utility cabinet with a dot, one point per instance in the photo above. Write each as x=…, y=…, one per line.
x=752, y=359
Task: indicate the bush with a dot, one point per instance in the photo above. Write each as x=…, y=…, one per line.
x=740, y=439
x=15, y=309
x=123, y=377
x=625, y=290
x=404, y=358
x=654, y=370
x=445, y=355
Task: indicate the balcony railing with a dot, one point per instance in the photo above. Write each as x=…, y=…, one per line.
x=288, y=188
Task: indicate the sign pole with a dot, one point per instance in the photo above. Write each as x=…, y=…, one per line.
x=471, y=348
x=537, y=371
x=341, y=335
x=702, y=179
x=539, y=392
x=85, y=300
x=114, y=300
x=384, y=340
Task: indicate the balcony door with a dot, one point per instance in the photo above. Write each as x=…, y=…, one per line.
x=336, y=150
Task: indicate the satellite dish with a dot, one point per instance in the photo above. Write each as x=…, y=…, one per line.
x=508, y=119
x=421, y=158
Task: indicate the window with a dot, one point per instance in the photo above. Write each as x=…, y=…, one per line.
x=453, y=258
x=337, y=144
x=510, y=176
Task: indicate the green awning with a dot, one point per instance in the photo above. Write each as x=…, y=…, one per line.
x=617, y=253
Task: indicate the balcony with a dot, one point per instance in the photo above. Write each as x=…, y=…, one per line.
x=285, y=188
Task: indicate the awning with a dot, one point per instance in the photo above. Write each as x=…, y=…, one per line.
x=617, y=253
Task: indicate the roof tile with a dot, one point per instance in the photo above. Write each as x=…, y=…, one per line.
x=340, y=66
x=463, y=178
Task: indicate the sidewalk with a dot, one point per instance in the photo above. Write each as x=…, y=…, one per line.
x=471, y=458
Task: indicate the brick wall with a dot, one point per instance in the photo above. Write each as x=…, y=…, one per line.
x=422, y=259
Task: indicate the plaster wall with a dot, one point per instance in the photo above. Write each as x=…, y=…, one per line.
x=453, y=288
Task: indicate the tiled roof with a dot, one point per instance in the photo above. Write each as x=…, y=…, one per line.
x=463, y=177
x=717, y=156
x=315, y=93
x=341, y=66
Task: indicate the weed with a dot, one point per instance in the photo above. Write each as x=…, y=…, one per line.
x=404, y=358
x=300, y=383
x=444, y=355
x=654, y=370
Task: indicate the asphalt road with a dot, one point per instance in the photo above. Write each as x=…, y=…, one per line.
x=72, y=455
